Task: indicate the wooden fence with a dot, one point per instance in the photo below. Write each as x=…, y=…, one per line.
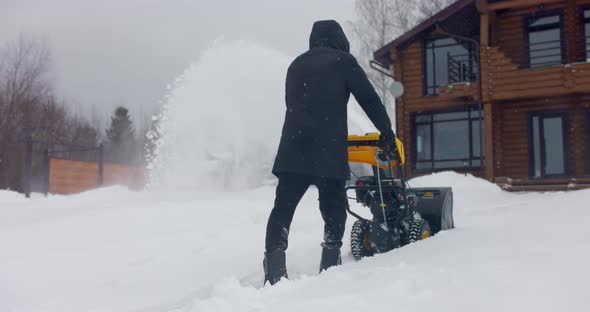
x=72, y=176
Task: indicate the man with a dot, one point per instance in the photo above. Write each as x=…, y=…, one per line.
x=313, y=147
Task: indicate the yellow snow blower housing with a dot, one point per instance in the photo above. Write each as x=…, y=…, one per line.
x=362, y=149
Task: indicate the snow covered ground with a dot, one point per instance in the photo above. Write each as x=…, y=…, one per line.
x=116, y=250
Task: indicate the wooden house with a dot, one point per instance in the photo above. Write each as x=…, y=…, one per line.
x=500, y=89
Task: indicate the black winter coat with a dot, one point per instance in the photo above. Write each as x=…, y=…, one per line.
x=319, y=84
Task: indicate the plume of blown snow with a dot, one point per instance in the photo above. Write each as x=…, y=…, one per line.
x=222, y=119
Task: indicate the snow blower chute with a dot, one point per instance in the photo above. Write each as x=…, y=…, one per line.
x=401, y=214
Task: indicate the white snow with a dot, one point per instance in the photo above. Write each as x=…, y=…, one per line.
x=195, y=241
x=222, y=119
x=116, y=250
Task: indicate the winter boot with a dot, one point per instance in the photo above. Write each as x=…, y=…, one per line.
x=330, y=257
x=274, y=266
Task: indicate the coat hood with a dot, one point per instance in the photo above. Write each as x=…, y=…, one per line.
x=328, y=34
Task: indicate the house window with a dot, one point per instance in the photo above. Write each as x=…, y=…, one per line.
x=548, y=136
x=586, y=25
x=447, y=140
x=544, y=43
x=447, y=61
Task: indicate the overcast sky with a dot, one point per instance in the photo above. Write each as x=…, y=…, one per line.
x=124, y=52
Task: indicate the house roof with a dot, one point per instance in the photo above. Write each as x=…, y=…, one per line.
x=382, y=55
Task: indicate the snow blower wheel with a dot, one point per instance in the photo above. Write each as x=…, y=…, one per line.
x=419, y=229
x=360, y=245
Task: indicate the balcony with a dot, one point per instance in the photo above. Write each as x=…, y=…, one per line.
x=462, y=74
x=506, y=80
x=461, y=68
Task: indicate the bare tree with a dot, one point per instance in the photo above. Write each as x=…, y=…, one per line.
x=23, y=86
x=29, y=109
x=427, y=8
x=377, y=23
x=23, y=82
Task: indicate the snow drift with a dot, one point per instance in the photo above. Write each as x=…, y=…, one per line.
x=222, y=119
x=115, y=250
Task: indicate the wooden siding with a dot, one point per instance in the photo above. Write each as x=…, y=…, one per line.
x=510, y=93
x=508, y=77
x=508, y=31
x=71, y=177
x=507, y=81
x=543, y=185
x=410, y=63
x=579, y=39
x=511, y=128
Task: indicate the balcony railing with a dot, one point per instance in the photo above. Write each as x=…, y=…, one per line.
x=545, y=53
x=461, y=68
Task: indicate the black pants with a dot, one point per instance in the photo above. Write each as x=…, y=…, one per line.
x=291, y=188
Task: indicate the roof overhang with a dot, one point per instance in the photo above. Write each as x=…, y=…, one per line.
x=383, y=54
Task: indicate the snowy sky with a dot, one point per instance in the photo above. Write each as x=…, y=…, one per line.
x=125, y=52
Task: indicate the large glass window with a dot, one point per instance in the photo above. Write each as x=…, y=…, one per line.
x=447, y=61
x=586, y=23
x=545, y=46
x=447, y=140
x=548, y=144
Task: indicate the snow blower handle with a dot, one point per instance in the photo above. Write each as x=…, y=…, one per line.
x=388, y=145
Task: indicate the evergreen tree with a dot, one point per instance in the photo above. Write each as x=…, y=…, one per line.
x=121, y=146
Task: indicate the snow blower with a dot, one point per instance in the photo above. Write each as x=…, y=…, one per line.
x=401, y=214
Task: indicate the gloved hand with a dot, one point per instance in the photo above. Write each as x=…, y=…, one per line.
x=388, y=145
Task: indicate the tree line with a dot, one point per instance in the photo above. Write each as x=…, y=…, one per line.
x=31, y=111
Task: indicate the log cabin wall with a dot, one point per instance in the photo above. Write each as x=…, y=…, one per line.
x=508, y=30
x=517, y=92
x=509, y=76
x=410, y=61
x=512, y=129
x=512, y=92
x=513, y=143
x=579, y=41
